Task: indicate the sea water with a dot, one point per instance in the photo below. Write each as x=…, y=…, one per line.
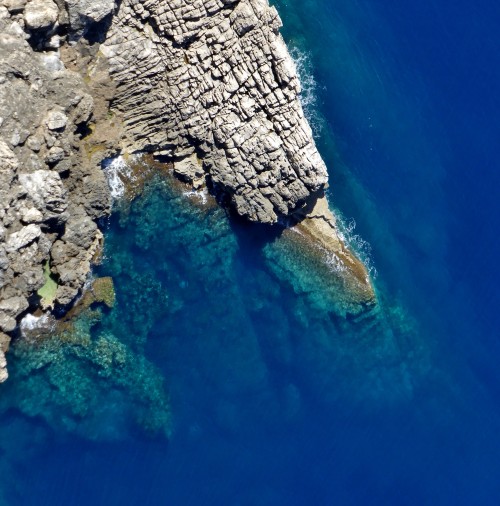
x=223, y=376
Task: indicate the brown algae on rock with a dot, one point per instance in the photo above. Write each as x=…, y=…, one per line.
x=318, y=232
x=103, y=291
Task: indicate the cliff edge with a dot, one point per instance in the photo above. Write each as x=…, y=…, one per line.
x=207, y=85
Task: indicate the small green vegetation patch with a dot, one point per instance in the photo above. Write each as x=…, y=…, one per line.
x=48, y=290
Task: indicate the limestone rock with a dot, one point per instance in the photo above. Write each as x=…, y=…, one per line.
x=25, y=236
x=65, y=295
x=4, y=348
x=14, y=306
x=46, y=190
x=7, y=323
x=83, y=11
x=220, y=86
x=8, y=160
x=80, y=231
x=14, y=6
x=40, y=14
x=190, y=170
x=31, y=215
x=56, y=120
x=3, y=367
x=42, y=107
x=4, y=342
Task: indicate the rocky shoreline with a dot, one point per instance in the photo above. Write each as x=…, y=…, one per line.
x=208, y=86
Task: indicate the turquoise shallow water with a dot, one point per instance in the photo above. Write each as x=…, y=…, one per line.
x=222, y=376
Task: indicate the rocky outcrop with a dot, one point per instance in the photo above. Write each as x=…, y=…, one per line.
x=215, y=80
x=207, y=85
x=50, y=196
x=211, y=86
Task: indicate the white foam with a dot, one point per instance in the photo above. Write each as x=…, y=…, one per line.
x=308, y=95
x=117, y=171
x=198, y=194
x=31, y=322
x=356, y=242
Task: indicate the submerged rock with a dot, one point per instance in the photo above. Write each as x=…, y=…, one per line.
x=95, y=386
x=103, y=291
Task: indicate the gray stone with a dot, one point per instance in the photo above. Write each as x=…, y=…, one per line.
x=7, y=323
x=41, y=104
x=13, y=306
x=14, y=6
x=65, y=295
x=54, y=155
x=190, y=170
x=53, y=63
x=31, y=215
x=34, y=143
x=56, y=120
x=25, y=236
x=4, y=342
x=40, y=14
x=46, y=190
x=84, y=11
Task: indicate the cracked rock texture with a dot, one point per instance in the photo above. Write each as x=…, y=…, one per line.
x=207, y=85
x=211, y=86
x=50, y=196
x=214, y=79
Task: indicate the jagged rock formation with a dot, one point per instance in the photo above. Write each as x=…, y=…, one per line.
x=50, y=196
x=211, y=86
x=213, y=83
x=206, y=84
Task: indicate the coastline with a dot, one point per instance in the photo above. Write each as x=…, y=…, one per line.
x=217, y=97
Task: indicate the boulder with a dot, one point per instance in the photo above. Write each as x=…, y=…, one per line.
x=14, y=6
x=25, y=236
x=40, y=14
x=83, y=12
x=56, y=120
x=46, y=190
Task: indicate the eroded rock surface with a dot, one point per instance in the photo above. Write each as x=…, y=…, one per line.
x=211, y=86
x=215, y=79
x=48, y=189
x=207, y=85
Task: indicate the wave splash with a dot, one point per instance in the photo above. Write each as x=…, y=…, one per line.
x=117, y=171
x=362, y=248
x=309, y=87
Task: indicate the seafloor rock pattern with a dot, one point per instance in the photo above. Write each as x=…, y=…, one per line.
x=50, y=197
x=211, y=84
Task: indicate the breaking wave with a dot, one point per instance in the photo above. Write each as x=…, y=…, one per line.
x=201, y=195
x=116, y=171
x=309, y=88
x=362, y=248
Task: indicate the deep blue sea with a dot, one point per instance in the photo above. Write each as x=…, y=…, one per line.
x=221, y=376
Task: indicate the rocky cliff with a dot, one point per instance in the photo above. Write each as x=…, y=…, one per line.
x=206, y=84
x=50, y=196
